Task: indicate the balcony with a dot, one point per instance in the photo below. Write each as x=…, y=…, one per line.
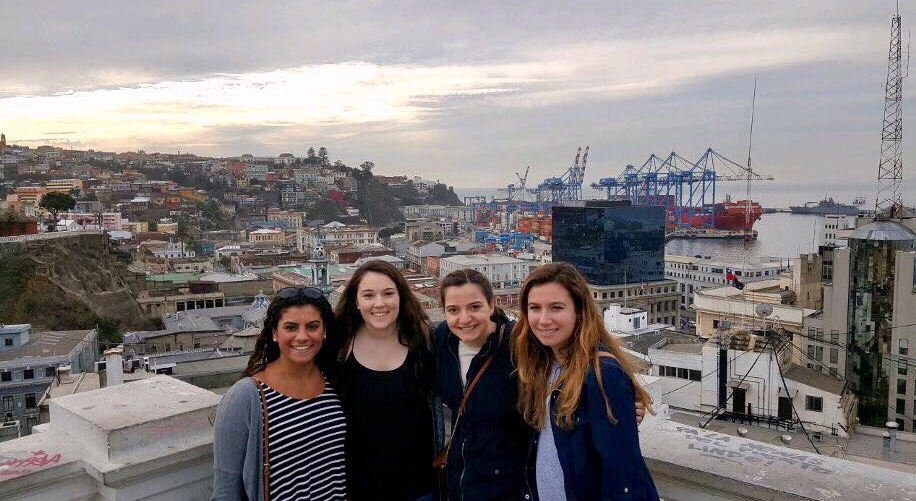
x=152, y=439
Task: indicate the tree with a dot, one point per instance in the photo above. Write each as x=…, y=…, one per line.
x=56, y=203
x=367, y=166
x=107, y=329
x=323, y=156
x=310, y=157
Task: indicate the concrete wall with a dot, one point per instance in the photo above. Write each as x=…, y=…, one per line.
x=836, y=307
x=903, y=331
x=160, y=447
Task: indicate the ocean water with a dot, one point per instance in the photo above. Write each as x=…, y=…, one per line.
x=779, y=235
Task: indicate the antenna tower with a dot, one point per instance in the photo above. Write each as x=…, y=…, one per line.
x=890, y=167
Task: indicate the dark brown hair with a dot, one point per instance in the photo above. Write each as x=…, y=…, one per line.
x=266, y=350
x=458, y=278
x=413, y=323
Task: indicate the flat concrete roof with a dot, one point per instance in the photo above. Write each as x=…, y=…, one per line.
x=47, y=344
x=695, y=348
x=479, y=259
x=815, y=379
x=87, y=381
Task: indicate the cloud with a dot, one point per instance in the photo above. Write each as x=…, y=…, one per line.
x=330, y=98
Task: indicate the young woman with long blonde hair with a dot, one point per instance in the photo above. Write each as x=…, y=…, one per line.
x=578, y=387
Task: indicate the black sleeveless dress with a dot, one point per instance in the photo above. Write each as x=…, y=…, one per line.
x=389, y=433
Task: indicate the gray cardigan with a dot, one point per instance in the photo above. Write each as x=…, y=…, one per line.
x=238, y=459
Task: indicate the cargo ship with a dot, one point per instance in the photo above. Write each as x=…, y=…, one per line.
x=824, y=207
x=729, y=215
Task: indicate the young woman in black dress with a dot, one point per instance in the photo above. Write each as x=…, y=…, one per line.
x=387, y=386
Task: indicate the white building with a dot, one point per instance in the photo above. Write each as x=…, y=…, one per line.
x=698, y=273
x=174, y=250
x=285, y=159
x=392, y=260
x=503, y=272
x=753, y=384
x=337, y=235
x=836, y=229
x=422, y=185
x=461, y=212
x=620, y=319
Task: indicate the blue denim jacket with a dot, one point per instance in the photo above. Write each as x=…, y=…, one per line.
x=600, y=460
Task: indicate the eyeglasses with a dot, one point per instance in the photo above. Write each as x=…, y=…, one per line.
x=295, y=292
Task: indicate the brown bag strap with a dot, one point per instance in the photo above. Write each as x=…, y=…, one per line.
x=265, y=440
x=470, y=388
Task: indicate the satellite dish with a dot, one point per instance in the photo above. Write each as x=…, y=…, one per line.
x=763, y=310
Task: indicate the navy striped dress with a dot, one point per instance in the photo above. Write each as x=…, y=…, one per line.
x=306, y=440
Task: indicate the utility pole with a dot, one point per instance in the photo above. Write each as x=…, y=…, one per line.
x=890, y=167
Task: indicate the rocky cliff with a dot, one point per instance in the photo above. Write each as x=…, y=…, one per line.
x=65, y=283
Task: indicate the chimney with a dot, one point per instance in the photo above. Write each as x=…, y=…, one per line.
x=63, y=374
x=114, y=366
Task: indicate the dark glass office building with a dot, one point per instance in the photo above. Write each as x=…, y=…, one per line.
x=611, y=243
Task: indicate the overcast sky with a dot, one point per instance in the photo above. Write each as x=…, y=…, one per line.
x=465, y=95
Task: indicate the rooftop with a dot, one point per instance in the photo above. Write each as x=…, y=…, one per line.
x=883, y=231
x=481, y=259
x=47, y=344
x=641, y=342
x=815, y=379
x=226, y=277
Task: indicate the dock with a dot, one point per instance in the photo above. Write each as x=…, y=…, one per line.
x=712, y=233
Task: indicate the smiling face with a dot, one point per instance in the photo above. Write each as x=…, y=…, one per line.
x=467, y=313
x=378, y=301
x=299, y=333
x=551, y=315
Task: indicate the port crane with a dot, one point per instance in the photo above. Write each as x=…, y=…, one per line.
x=568, y=186
x=687, y=188
x=521, y=189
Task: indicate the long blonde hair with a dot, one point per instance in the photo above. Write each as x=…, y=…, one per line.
x=583, y=350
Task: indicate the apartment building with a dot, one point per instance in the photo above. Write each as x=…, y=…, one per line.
x=697, y=273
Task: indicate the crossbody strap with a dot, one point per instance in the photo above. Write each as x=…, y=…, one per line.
x=470, y=388
x=264, y=439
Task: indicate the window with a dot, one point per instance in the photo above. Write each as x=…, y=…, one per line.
x=901, y=386
x=834, y=336
x=28, y=374
x=8, y=403
x=901, y=370
x=819, y=353
x=682, y=373
x=6, y=376
x=903, y=347
x=8, y=341
x=50, y=371
x=834, y=355
x=715, y=324
x=671, y=371
x=820, y=333
x=695, y=375
x=815, y=404
x=29, y=400
x=810, y=351
x=901, y=406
